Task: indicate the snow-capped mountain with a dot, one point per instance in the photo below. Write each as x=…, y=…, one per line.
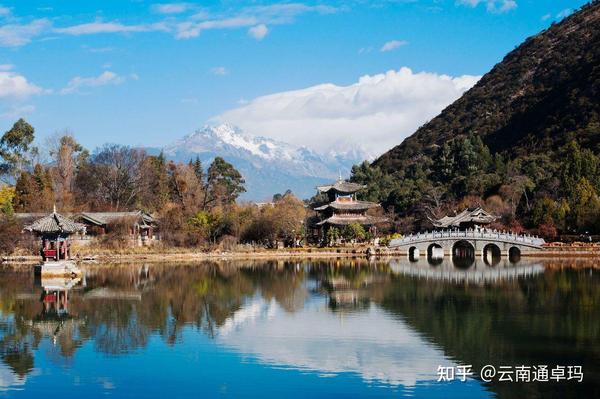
x=269, y=166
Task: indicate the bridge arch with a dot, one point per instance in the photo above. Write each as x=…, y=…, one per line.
x=514, y=254
x=463, y=254
x=413, y=254
x=491, y=254
x=435, y=253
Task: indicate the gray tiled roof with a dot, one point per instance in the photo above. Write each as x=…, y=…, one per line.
x=341, y=186
x=55, y=223
x=477, y=216
x=348, y=205
x=344, y=220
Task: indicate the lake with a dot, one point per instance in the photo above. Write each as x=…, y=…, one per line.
x=300, y=328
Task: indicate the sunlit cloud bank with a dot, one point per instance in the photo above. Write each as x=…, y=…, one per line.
x=375, y=113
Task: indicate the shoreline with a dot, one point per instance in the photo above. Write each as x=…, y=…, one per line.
x=303, y=253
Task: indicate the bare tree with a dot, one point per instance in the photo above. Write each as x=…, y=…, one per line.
x=117, y=170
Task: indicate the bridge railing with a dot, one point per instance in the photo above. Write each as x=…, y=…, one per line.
x=494, y=235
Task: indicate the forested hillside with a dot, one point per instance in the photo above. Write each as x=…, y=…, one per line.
x=524, y=141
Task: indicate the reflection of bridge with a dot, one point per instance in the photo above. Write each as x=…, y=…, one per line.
x=478, y=274
x=485, y=242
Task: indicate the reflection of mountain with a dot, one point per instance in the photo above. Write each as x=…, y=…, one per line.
x=377, y=347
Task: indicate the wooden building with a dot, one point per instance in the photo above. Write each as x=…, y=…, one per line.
x=54, y=231
x=343, y=208
x=468, y=219
x=142, y=227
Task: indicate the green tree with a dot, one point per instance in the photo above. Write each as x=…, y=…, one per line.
x=223, y=184
x=354, y=231
x=198, y=170
x=332, y=235
x=14, y=147
x=585, y=206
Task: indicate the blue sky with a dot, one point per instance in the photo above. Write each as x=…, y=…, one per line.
x=141, y=72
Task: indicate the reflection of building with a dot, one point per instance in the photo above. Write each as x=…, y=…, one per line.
x=352, y=290
x=55, y=320
x=343, y=208
x=467, y=219
x=55, y=296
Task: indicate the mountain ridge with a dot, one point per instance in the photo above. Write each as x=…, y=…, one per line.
x=269, y=166
x=528, y=110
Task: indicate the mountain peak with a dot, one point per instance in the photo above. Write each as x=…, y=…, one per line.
x=269, y=166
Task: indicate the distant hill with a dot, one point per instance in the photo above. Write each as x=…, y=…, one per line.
x=267, y=165
x=524, y=141
x=541, y=94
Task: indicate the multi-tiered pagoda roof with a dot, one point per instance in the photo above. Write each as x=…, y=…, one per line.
x=343, y=208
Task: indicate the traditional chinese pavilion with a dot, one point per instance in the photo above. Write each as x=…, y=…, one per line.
x=54, y=231
x=343, y=208
x=467, y=219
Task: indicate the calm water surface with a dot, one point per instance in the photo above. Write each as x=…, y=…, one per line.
x=297, y=329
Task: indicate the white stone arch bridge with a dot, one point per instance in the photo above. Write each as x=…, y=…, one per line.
x=479, y=242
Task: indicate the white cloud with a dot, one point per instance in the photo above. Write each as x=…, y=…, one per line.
x=259, y=31
x=392, y=45
x=255, y=18
x=249, y=17
x=564, y=13
x=109, y=27
x=219, y=71
x=187, y=30
x=104, y=79
x=493, y=6
x=546, y=17
x=375, y=113
x=171, y=8
x=98, y=49
x=18, y=111
x=15, y=86
x=15, y=35
x=4, y=11
x=14, y=89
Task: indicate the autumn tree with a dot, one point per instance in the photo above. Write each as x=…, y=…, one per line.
x=34, y=191
x=184, y=187
x=68, y=156
x=113, y=176
x=155, y=183
x=7, y=194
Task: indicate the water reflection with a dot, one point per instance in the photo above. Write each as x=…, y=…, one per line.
x=477, y=271
x=389, y=324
